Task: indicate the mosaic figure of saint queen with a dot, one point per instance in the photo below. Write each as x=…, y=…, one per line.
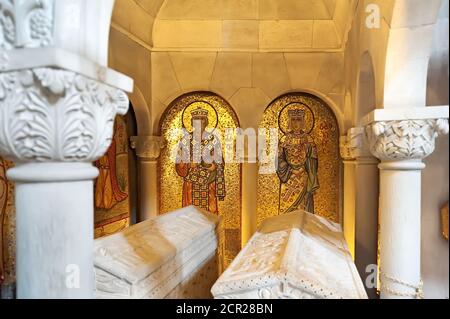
x=297, y=166
x=200, y=163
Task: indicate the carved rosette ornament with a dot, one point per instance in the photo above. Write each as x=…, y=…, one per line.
x=406, y=139
x=56, y=115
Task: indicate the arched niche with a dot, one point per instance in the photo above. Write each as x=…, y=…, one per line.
x=172, y=184
x=115, y=189
x=321, y=130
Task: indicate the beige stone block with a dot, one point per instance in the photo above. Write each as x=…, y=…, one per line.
x=193, y=69
x=331, y=6
x=303, y=69
x=132, y=18
x=239, y=9
x=240, y=34
x=331, y=76
x=121, y=13
x=187, y=34
x=249, y=104
x=209, y=10
x=232, y=71
x=127, y=57
x=386, y=8
x=270, y=74
x=191, y=10
x=293, y=10
x=141, y=24
x=339, y=105
x=152, y=7
x=325, y=35
x=342, y=13
x=157, y=110
x=164, y=79
x=285, y=34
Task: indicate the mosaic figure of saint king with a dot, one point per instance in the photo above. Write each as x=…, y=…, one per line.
x=297, y=166
x=200, y=163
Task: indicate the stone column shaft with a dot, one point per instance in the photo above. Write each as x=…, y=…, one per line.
x=360, y=201
x=58, y=103
x=401, y=139
x=148, y=150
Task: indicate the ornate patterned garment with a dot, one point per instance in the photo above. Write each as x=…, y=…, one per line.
x=297, y=170
x=203, y=183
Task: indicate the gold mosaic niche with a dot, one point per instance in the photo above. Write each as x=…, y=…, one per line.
x=325, y=133
x=170, y=184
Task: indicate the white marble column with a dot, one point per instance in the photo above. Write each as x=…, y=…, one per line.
x=58, y=102
x=401, y=138
x=148, y=150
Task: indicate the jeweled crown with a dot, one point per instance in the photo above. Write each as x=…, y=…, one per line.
x=199, y=113
x=297, y=114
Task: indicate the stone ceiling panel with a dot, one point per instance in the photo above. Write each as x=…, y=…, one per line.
x=238, y=25
x=294, y=10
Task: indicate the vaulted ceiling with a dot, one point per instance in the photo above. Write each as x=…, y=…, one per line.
x=229, y=25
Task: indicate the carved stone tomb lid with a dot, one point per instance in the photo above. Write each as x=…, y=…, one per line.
x=296, y=255
x=135, y=261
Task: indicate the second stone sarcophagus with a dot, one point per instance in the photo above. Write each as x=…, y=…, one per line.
x=297, y=255
x=170, y=256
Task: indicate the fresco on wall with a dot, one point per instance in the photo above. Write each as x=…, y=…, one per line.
x=307, y=176
x=112, y=186
x=7, y=226
x=215, y=187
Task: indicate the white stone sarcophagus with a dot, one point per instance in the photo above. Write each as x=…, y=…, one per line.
x=298, y=256
x=170, y=256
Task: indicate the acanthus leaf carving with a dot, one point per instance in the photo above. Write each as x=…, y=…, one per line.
x=407, y=139
x=56, y=115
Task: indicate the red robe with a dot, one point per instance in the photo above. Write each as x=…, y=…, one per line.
x=107, y=190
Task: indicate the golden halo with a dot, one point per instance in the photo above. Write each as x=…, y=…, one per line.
x=186, y=117
x=283, y=117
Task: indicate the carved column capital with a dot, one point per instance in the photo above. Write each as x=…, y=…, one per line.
x=58, y=101
x=54, y=115
x=26, y=23
x=404, y=139
x=147, y=147
x=79, y=26
x=354, y=145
